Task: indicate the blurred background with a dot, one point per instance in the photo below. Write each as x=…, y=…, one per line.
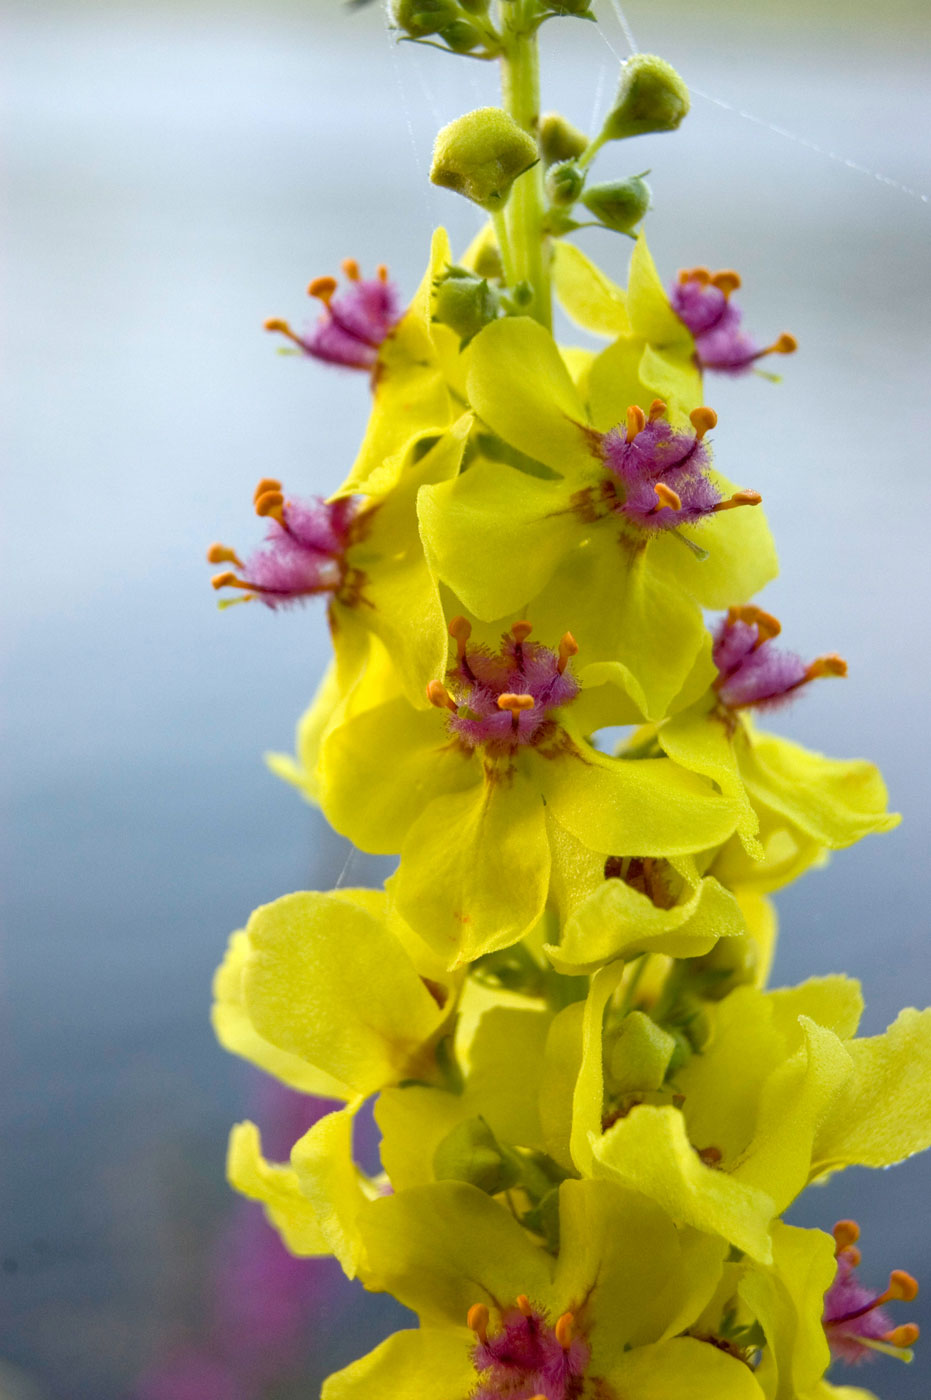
x=174, y=174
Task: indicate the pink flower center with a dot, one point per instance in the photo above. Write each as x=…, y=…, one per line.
x=502, y=701
x=525, y=1357
x=854, y=1321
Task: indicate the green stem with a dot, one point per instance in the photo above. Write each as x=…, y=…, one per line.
x=520, y=82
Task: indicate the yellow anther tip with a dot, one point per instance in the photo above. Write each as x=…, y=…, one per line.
x=564, y=1329
x=636, y=421
x=703, y=419
x=846, y=1232
x=438, y=695
x=268, y=483
x=269, y=503
x=322, y=287
x=831, y=665
x=515, y=703
x=902, y=1286
x=726, y=281
x=905, y=1336
x=667, y=498
x=477, y=1319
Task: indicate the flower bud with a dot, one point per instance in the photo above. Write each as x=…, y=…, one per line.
x=619, y=205
x=481, y=154
x=464, y=302
x=461, y=36
x=640, y=1055
x=564, y=184
x=651, y=97
x=421, y=17
x=472, y=1153
x=559, y=139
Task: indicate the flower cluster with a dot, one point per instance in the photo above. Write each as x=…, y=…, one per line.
x=593, y=1112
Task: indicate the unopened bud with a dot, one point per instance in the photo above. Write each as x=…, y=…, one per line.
x=564, y=184
x=619, y=205
x=481, y=154
x=641, y=1054
x=419, y=18
x=651, y=97
x=472, y=1153
x=461, y=36
x=559, y=139
x=464, y=302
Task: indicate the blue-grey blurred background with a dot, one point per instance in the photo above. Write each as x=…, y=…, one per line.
x=174, y=174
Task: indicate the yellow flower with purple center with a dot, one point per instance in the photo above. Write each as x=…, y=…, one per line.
x=502, y=1319
x=631, y=521
x=468, y=802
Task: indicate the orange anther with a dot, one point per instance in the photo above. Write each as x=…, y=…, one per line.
x=711, y=1156
x=381, y=272
x=461, y=630
x=845, y=1232
x=523, y=1302
x=564, y=1329
x=521, y=631
x=703, y=420
x=439, y=696
x=636, y=421
x=905, y=1336
x=852, y=1254
x=282, y=327
x=726, y=281
x=221, y=554
x=515, y=703
x=568, y=646
x=351, y=269
x=270, y=503
x=268, y=483
x=739, y=498
x=322, y=287
x=477, y=1320
x=695, y=274
x=831, y=665
x=657, y=410
x=767, y=627
x=785, y=345
x=227, y=580
x=902, y=1286
x=667, y=499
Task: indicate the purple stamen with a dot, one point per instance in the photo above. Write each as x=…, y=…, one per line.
x=658, y=455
